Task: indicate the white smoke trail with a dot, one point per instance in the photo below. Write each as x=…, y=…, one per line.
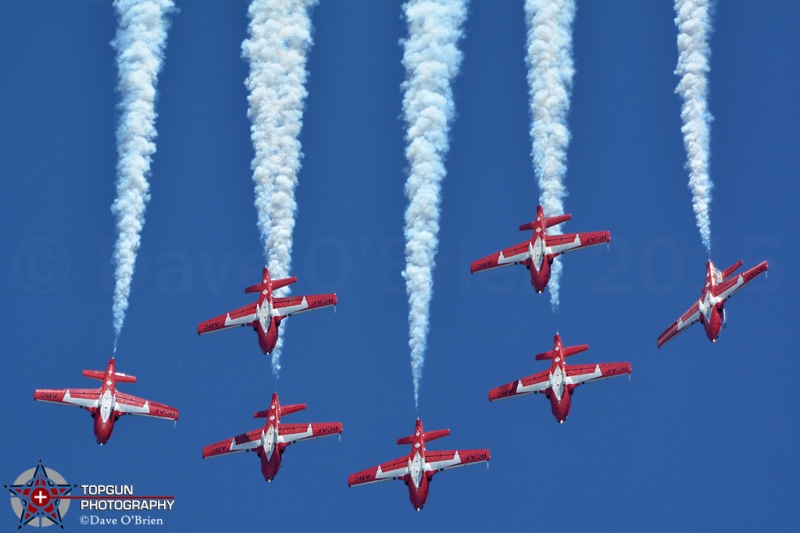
x=279, y=36
x=550, y=72
x=140, y=41
x=431, y=58
x=694, y=26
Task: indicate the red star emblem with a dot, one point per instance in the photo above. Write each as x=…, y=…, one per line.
x=40, y=497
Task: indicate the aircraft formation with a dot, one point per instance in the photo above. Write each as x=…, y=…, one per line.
x=417, y=468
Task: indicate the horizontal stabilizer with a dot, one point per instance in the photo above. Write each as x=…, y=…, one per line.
x=548, y=221
x=439, y=433
x=95, y=374
x=289, y=409
x=554, y=221
x=567, y=351
x=278, y=283
x=254, y=288
x=100, y=375
x=731, y=269
x=284, y=410
x=429, y=436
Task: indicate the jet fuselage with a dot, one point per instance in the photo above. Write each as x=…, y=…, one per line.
x=559, y=393
x=712, y=308
x=418, y=479
x=539, y=263
x=104, y=416
x=270, y=451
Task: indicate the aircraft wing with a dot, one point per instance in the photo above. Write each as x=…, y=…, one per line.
x=528, y=385
x=442, y=460
x=577, y=374
x=510, y=256
x=292, y=305
x=131, y=405
x=289, y=433
x=396, y=469
x=731, y=286
x=686, y=319
x=86, y=398
x=240, y=443
x=243, y=316
x=561, y=244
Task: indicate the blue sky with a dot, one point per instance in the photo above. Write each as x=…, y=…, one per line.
x=702, y=436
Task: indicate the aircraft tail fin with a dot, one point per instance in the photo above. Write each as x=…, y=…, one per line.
x=566, y=352
x=100, y=375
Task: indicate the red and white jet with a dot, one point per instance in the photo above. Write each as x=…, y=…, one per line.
x=710, y=308
x=266, y=314
x=417, y=469
x=270, y=441
x=559, y=382
x=538, y=252
x=106, y=404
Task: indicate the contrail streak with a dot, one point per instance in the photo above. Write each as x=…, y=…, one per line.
x=140, y=41
x=279, y=37
x=432, y=59
x=694, y=26
x=550, y=72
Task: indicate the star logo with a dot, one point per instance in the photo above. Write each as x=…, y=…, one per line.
x=36, y=497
